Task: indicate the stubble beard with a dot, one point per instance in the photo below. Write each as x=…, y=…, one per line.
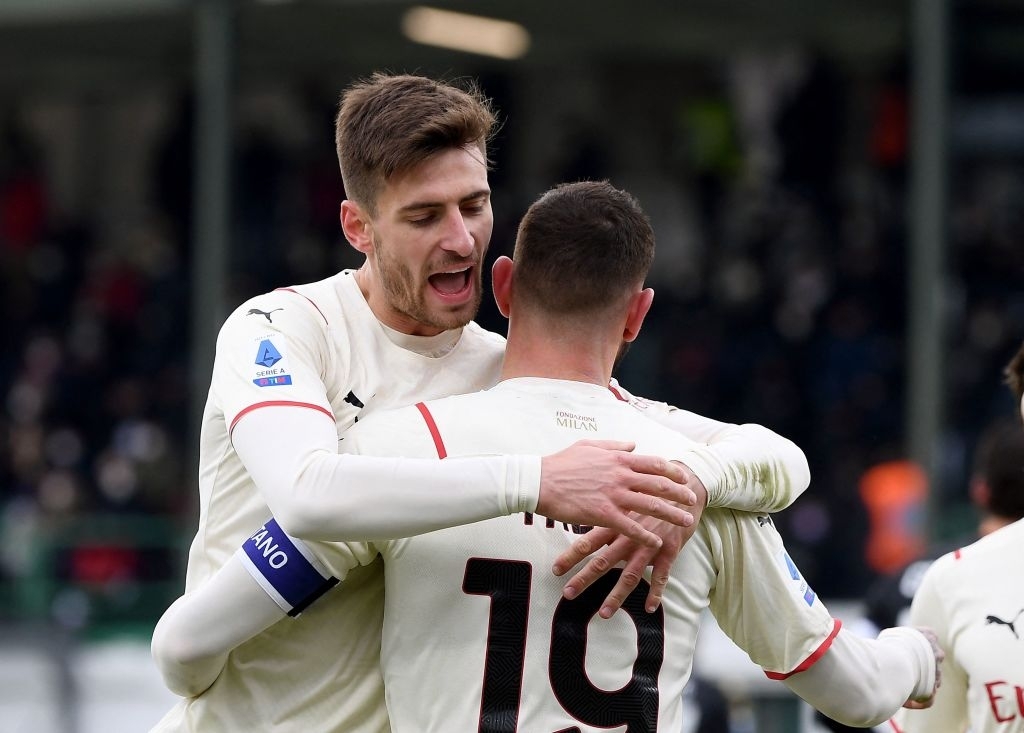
x=405, y=293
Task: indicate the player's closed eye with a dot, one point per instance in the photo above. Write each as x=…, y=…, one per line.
x=477, y=206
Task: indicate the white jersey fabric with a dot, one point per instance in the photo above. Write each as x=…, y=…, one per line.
x=476, y=635
x=974, y=600
x=316, y=346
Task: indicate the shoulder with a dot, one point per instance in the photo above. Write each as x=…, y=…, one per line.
x=425, y=429
x=473, y=334
x=652, y=437
x=641, y=404
x=1005, y=542
x=405, y=431
x=286, y=310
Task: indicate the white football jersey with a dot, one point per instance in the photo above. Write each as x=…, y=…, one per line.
x=317, y=346
x=476, y=633
x=974, y=600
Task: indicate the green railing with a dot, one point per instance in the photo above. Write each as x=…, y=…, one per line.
x=99, y=574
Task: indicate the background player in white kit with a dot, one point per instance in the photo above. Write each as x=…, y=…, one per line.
x=974, y=599
x=477, y=634
x=297, y=367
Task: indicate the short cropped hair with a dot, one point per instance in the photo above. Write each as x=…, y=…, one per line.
x=999, y=461
x=388, y=124
x=1015, y=374
x=582, y=247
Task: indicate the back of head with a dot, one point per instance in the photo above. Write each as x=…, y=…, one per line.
x=581, y=248
x=999, y=463
x=388, y=124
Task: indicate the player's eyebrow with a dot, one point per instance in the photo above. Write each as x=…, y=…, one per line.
x=419, y=205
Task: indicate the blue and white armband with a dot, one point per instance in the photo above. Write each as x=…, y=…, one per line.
x=285, y=568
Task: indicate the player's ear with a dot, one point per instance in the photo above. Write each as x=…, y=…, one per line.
x=357, y=226
x=980, y=493
x=639, y=305
x=501, y=284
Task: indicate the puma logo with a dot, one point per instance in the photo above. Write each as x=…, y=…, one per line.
x=265, y=314
x=762, y=520
x=1011, y=625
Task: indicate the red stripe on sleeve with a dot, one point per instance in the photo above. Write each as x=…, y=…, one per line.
x=293, y=290
x=434, y=432
x=278, y=403
x=956, y=553
x=895, y=728
x=809, y=662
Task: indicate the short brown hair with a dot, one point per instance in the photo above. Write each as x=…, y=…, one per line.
x=388, y=124
x=582, y=247
x=999, y=461
x=1015, y=374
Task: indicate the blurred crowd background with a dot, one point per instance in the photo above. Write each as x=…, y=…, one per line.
x=774, y=161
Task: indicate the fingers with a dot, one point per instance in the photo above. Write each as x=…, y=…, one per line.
x=598, y=565
x=659, y=579
x=638, y=559
x=632, y=574
x=626, y=584
x=662, y=487
x=657, y=508
x=636, y=532
x=656, y=466
x=588, y=543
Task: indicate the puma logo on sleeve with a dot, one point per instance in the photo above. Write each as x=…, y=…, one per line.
x=1011, y=625
x=265, y=314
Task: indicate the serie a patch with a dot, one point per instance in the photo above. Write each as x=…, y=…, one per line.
x=800, y=585
x=271, y=371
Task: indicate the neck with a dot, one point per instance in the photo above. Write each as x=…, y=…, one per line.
x=577, y=355
x=991, y=522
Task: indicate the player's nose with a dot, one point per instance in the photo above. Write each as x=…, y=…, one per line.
x=457, y=236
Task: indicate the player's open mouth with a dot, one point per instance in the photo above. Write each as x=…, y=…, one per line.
x=452, y=286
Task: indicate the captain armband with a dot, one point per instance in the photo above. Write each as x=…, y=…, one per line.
x=285, y=568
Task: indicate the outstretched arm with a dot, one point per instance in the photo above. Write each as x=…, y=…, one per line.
x=950, y=711
x=316, y=493
x=746, y=467
x=863, y=682
x=764, y=604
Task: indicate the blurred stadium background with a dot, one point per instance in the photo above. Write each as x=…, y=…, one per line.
x=837, y=188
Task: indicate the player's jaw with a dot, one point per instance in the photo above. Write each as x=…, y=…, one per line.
x=446, y=294
x=451, y=292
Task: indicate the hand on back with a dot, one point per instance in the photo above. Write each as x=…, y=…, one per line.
x=643, y=510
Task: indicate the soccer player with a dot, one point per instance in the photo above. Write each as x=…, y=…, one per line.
x=974, y=599
x=296, y=368
x=477, y=634
x=997, y=492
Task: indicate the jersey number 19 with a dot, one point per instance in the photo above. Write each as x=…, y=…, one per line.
x=507, y=582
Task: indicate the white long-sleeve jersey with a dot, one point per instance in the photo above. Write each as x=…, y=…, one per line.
x=974, y=600
x=295, y=369
x=476, y=634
